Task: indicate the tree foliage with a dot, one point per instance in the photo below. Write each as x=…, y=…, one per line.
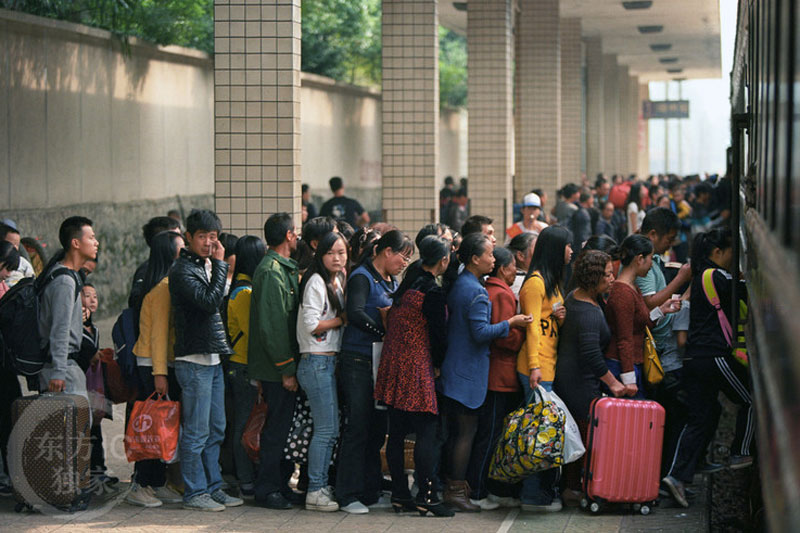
x=452, y=68
x=187, y=23
x=341, y=38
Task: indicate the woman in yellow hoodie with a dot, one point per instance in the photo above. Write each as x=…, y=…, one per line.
x=154, y=355
x=541, y=298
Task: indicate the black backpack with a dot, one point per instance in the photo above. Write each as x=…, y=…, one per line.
x=19, y=322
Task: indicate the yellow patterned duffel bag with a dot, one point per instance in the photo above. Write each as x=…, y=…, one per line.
x=533, y=440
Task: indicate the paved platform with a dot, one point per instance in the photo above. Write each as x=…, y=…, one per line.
x=124, y=518
x=114, y=515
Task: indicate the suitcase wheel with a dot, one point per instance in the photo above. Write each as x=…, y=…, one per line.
x=594, y=507
x=584, y=503
x=644, y=509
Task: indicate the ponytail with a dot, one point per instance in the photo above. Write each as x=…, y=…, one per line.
x=705, y=243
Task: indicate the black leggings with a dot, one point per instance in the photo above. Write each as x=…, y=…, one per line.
x=426, y=448
x=463, y=428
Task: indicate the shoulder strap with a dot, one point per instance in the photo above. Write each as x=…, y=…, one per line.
x=41, y=283
x=713, y=298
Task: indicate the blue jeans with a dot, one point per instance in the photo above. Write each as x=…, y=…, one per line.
x=202, y=426
x=317, y=377
x=539, y=488
x=616, y=368
x=244, y=397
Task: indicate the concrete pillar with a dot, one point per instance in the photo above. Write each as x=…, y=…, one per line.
x=571, y=100
x=538, y=103
x=256, y=111
x=610, y=114
x=633, y=127
x=489, y=84
x=643, y=139
x=410, y=113
x=623, y=109
x=595, y=104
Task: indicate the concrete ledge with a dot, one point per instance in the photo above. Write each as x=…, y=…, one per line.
x=172, y=52
x=308, y=79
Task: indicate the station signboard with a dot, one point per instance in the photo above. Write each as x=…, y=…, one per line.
x=665, y=109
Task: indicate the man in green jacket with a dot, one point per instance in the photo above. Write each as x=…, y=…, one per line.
x=272, y=355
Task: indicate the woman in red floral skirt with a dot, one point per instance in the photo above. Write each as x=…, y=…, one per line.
x=413, y=351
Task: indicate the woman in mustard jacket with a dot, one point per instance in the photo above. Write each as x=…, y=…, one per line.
x=154, y=356
x=541, y=298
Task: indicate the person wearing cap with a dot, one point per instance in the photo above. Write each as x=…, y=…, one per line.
x=9, y=232
x=530, y=223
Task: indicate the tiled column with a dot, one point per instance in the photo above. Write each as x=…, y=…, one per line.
x=623, y=109
x=538, y=104
x=571, y=100
x=410, y=112
x=489, y=84
x=595, y=104
x=257, y=112
x=643, y=137
x=633, y=121
x=610, y=114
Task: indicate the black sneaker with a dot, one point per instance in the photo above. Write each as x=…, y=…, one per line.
x=706, y=467
x=740, y=461
x=274, y=501
x=676, y=489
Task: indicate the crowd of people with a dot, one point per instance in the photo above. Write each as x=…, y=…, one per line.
x=383, y=345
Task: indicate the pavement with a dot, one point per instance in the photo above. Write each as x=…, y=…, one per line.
x=114, y=515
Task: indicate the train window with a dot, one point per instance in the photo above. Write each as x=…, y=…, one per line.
x=793, y=171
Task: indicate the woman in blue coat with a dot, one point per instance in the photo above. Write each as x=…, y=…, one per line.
x=465, y=372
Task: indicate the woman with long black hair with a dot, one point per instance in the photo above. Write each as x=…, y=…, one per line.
x=413, y=352
x=541, y=298
x=369, y=297
x=319, y=336
x=154, y=355
x=249, y=251
x=635, y=207
x=628, y=315
x=710, y=367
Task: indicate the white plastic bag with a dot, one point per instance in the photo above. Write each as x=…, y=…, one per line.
x=573, y=443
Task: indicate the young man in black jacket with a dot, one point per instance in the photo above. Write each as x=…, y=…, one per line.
x=196, y=288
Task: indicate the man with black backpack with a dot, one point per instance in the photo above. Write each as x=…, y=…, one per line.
x=60, y=310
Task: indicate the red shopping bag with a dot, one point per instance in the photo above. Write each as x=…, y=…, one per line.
x=153, y=429
x=117, y=390
x=251, y=437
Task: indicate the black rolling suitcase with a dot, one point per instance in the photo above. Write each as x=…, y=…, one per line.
x=49, y=451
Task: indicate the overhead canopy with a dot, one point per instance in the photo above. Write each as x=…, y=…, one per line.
x=670, y=39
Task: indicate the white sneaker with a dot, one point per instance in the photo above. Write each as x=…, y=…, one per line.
x=203, y=502
x=554, y=507
x=223, y=498
x=142, y=497
x=485, y=504
x=321, y=500
x=166, y=494
x=355, y=507
x=504, y=501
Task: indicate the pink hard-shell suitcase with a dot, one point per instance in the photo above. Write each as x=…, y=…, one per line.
x=623, y=458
